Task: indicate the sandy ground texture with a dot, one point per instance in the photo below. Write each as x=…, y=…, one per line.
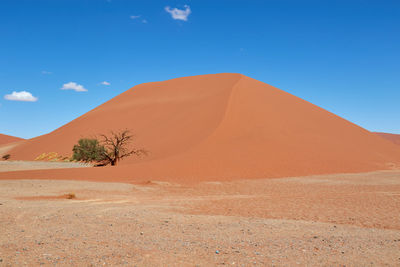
x=332, y=220
x=19, y=165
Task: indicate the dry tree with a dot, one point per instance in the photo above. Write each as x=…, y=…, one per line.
x=117, y=146
x=108, y=149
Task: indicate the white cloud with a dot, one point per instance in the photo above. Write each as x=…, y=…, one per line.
x=21, y=96
x=46, y=72
x=179, y=14
x=134, y=17
x=105, y=83
x=73, y=86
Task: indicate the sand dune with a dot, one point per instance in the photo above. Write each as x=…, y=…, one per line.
x=395, y=138
x=8, y=142
x=6, y=139
x=214, y=127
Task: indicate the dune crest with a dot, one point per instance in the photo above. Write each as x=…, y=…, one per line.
x=221, y=126
x=395, y=138
x=7, y=139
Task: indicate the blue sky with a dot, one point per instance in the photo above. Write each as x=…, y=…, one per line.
x=341, y=55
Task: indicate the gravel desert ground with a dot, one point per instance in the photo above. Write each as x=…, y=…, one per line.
x=328, y=220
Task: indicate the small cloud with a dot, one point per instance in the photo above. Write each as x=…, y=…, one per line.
x=138, y=17
x=73, y=86
x=105, y=83
x=44, y=72
x=179, y=14
x=21, y=96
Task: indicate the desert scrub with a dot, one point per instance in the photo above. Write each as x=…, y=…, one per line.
x=51, y=156
x=41, y=156
x=88, y=150
x=70, y=196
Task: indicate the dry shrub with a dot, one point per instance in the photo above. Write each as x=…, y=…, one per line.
x=70, y=196
x=51, y=156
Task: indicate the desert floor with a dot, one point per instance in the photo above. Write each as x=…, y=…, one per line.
x=19, y=165
x=331, y=220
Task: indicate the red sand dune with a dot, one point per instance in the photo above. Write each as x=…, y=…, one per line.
x=217, y=127
x=395, y=138
x=6, y=139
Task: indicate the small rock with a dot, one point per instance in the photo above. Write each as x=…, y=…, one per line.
x=141, y=233
x=217, y=252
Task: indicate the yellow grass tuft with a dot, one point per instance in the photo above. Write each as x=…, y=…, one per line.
x=51, y=156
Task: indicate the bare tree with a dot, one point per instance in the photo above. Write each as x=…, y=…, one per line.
x=117, y=146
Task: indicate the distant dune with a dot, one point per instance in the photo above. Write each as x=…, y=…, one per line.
x=222, y=126
x=6, y=139
x=395, y=138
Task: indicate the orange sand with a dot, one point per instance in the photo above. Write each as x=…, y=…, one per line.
x=216, y=127
x=395, y=138
x=6, y=139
